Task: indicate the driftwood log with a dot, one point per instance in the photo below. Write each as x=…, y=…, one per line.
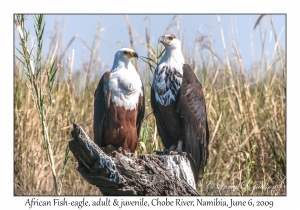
x=116, y=174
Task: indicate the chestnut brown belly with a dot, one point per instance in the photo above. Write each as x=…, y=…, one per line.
x=121, y=128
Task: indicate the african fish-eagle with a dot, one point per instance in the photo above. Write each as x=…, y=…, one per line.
x=178, y=104
x=119, y=104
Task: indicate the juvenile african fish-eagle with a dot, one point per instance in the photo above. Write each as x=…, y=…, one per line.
x=119, y=104
x=178, y=104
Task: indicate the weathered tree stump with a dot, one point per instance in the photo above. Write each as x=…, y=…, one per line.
x=116, y=174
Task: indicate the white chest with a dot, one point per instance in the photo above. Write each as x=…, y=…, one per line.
x=126, y=88
x=166, y=83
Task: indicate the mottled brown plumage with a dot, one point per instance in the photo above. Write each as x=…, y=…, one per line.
x=179, y=107
x=185, y=119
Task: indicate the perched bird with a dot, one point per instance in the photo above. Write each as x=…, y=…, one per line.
x=119, y=104
x=178, y=104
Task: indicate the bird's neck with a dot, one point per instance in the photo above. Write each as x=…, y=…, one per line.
x=173, y=56
x=120, y=65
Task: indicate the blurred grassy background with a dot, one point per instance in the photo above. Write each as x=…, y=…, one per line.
x=246, y=116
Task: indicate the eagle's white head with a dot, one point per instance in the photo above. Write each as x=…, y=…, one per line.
x=170, y=41
x=173, y=50
x=123, y=59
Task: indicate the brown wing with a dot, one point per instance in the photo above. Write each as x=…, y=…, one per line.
x=192, y=108
x=141, y=112
x=101, y=105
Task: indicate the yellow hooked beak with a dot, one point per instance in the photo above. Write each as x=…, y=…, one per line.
x=132, y=54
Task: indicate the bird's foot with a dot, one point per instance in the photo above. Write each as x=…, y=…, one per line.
x=177, y=152
x=109, y=149
x=125, y=153
x=171, y=151
x=130, y=155
x=166, y=151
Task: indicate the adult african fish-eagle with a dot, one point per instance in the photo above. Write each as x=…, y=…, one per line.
x=178, y=104
x=119, y=104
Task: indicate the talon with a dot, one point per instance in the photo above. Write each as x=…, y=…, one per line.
x=175, y=152
x=183, y=154
x=166, y=151
x=178, y=152
x=129, y=155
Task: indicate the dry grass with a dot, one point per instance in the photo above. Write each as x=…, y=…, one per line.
x=246, y=116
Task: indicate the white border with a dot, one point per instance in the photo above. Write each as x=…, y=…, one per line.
x=8, y=201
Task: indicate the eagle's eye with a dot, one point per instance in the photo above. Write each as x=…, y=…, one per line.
x=125, y=52
x=171, y=38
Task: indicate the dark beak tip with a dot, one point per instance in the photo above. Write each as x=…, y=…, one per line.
x=136, y=55
x=161, y=39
